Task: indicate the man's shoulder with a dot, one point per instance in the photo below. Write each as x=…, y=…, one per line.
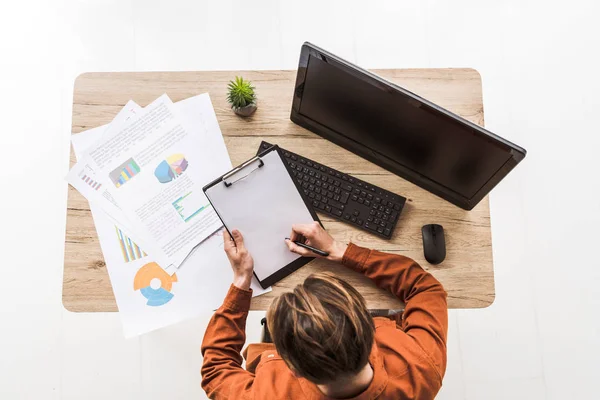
x=399, y=351
x=274, y=380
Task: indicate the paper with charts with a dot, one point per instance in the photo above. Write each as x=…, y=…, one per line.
x=150, y=166
x=147, y=296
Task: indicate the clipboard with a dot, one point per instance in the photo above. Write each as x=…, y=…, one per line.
x=260, y=198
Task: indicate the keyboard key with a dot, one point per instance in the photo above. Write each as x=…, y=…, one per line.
x=330, y=195
x=367, y=203
x=311, y=187
x=309, y=163
x=372, y=212
x=381, y=208
x=286, y=154
x=380, y=230
x=317, y=189
x=347, y=187
x=385, y=217
x=361, y=200
x=324, y=200
x=386, y=232
x=322, y=206
x=305, y=170
x=331, y=187
x=384, y=202
x=336, y=197
x=387, y=211
x=318, y=175
x=305, y=185
x=311, y=195
x=379, y=214
x=344, y=198
x=370, y=226
x=363, y=193
x=377, y=221
x=370, y=219
x=360, y=184
x=330, y=181
x=318, y=197
x=300, y=175
x=369, y=196
x=312, y=180
x=318, y=183
x=397, y=207
x=377, y=200
x=353, y=218
x=294, y=157
x=345, y=177
x=347, y=216
x=322, y=168
x=356, y=191
x=351, y=180
x=315, y=203
x=306, y=178
x=302, y=160
x=382, y=224
x=337, y=212
x=311, y=172
x=354, y=198
x=356, y=213
x=328, y=208
x=336, y=183
x=360, y=221
x=337, y=191
x=324, y=178
x=336, y=204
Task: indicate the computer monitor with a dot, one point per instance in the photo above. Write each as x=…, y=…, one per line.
x=398, y=130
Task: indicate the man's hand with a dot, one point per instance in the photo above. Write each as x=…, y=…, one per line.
x=314, y=235
x=241, y=261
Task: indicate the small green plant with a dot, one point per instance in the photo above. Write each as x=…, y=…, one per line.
x=241, y=93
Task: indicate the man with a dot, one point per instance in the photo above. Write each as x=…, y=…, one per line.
x=326, y=344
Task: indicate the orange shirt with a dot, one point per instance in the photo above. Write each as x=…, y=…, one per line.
x=408, y=359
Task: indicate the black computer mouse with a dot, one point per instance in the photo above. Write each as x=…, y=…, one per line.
x=434, y=243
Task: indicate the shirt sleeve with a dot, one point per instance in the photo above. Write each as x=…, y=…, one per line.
x=425, y=316
x=223, y=376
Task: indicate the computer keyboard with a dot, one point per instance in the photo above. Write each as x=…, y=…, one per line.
x=344, y=197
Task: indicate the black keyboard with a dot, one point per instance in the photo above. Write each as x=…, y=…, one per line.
x=344, y=197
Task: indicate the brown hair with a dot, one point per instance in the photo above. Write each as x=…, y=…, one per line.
x=322, y=330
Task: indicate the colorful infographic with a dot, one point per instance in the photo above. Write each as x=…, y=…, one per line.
x=171, y=168
x=190, y=205
x=130, y=250
x=143, y=282
x=124, y=172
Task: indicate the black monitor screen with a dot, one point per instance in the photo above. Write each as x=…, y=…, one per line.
x=402, y=129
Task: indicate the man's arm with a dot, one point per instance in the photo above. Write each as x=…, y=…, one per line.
x=426, y=313
x=222, y=374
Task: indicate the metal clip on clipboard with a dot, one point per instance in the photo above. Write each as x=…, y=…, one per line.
x=243, y=171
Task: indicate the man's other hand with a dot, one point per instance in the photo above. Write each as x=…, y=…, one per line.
x=314, y=235
x=241, y=261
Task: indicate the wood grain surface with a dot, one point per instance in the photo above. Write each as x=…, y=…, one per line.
x=467, y=272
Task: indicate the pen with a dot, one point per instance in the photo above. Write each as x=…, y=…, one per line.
x=313, y=249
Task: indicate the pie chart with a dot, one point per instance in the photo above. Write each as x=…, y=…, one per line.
x=143, y=281
x=170, y=168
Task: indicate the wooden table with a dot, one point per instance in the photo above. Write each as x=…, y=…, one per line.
x=467, y=273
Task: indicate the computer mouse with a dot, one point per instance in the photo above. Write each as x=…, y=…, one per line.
x=434, y=243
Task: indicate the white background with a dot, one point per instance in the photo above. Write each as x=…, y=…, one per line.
x=541, y=77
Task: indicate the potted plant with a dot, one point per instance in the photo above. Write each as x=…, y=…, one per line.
x=241, y=96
